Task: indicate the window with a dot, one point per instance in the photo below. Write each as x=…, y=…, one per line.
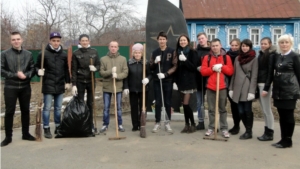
x=276, y=32
x=211, y=32
x=255, y=36
x=232, y=32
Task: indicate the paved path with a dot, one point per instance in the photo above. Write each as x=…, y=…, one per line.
x=158, y=150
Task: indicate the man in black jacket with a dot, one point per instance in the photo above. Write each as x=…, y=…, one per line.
x=56, y=80
x=166, y=57
x=17, y=67
x=81, y=71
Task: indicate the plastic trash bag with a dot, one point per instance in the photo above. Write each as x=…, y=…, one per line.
x=76, y=120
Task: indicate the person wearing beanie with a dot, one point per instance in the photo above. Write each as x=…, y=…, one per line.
x=133, y=84
x=81, y=69
x=56, y=79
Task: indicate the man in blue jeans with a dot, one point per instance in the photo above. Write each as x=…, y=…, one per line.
x=56, y=80
x=112, y=66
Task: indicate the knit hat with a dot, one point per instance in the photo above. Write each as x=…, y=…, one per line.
x=138, y=47
x=83, y=35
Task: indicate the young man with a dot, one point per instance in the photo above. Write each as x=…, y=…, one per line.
x=166, y=57
x=17, y=68
x=202, y=49
x=56, y=80
x=112, y=66
x=212, y=64
x=81, y=69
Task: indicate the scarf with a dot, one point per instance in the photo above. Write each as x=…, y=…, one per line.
x=244, y=58
x=133, y=60
x=184, y=50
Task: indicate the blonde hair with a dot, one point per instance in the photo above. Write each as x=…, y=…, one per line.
x=285, y=37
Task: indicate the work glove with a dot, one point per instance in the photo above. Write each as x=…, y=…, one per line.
x=67, y=86
x=250, y=96
x=114, y=75
x=157, y=59
x=198, y=68
x=92, y=68
x=230, y=93
x=114, y=69
x=182, y=57
x=217, y=68
x=145, y=81
x=126, y=91
x=161, y=75
x=175, y=87
x=74, y=91
x=41, y=72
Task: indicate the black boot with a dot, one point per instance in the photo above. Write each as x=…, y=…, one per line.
x=267, y=136
x=200, y=126
x=285, y=143
x=6, y=141
x=234, y=130
x=47, y=133
x=28, y=137
x=249, y=124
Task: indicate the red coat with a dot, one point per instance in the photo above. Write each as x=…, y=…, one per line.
x=206, y=70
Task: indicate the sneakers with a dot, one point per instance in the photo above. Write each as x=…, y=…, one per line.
x=209, y=132
x=168, y=128
x=121, y=129
x=103, y=129
x=156, y=127
x=47, y=133
x=225, y=134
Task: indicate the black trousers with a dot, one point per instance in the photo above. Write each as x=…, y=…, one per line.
x=81, y=88
x=167, y=87
x=136, y=101
x=287, y=122
x=235, y=112
x=10, y=98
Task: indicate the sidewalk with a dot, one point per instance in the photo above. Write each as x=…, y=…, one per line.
x=158, y=150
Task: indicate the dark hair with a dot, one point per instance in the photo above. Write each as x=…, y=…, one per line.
x=215, y=40
x=15, y=33
x=162, y=34
x=201, y=33
x=83, y=35
x=178, y=42
x=236, y=40
x=266, y=53
x=247, y=42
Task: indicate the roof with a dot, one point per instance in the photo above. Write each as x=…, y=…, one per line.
x=240, y=9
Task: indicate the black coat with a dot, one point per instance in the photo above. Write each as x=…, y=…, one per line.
x=287, y=77
x=201, y=52
x=13, y=61
x=56, y=70
x=133, y=82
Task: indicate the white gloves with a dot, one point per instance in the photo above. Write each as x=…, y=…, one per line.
x=114, y=69
x=175, y=87
x=126, y=91
x=74, y=91
x=230, y=93
x=114, y=75
x=199, y=68
x=145, y=81
x=67, y=86
x=250, y=96
x=182, y=57
x=92, y=68
x=217, y=67
x=157, y=59
x=161, y=75
x=41, y=72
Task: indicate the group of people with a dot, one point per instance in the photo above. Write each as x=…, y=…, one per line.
x=241, y=74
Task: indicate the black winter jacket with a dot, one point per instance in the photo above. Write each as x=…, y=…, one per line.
x=266, y=68
x=186, y=72
x=80, y=64
x=287, y=76
x=12, y=61
x=168, y=63
x=133, y=82
x=201, y=52
x=56, y=70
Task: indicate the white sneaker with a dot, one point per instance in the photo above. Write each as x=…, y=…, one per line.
x=121, y=128
x=103, y=129
x=225, y=134
x=209, y=132
x=156, y=127
x=168, y=128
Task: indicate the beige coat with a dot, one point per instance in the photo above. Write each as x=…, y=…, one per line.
x=106, y=64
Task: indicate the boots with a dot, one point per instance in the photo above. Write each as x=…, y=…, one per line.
x=185, y=129
x=6, y=141
x=234, y=130
x=47, y=133
x=200, y=126
x=192, y=129
x=248, y=122
x=267, y=136
x=287, y=130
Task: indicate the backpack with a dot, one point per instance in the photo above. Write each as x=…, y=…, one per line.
x=224, y=59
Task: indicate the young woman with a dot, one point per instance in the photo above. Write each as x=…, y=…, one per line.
x=243, y=85
x=233, y=53
x=265, y=75
x=286, y=88
x=133, y=84
x=185, y=79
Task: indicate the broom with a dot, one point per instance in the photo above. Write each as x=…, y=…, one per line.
x=93, y=92
x=38, y=126
x=143, y=114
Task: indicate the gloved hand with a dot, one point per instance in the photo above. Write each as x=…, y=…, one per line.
x=74, y=91
x=126, y=91
x=250, y=96
x=114, y=75
x=217, y=67
x=182, y=57
x=114, y=69
x=145, y=81
x=199, y=68
x=157, y=59
x=175, y=87
x=161, y=75
x=230, y=93
x=92, y=68
x=41, y=72
x=67, y=86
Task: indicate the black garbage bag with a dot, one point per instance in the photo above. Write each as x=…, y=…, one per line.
x=76, y=121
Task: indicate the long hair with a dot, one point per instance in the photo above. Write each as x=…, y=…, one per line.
x=287, y=37
x=266, y=53
x=178, y=43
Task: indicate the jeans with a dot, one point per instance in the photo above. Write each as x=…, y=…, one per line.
x=10, y=99
x=167, y=87
x=201, y=115
x=57, y=108
x=107, y=101
x=81, y=87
